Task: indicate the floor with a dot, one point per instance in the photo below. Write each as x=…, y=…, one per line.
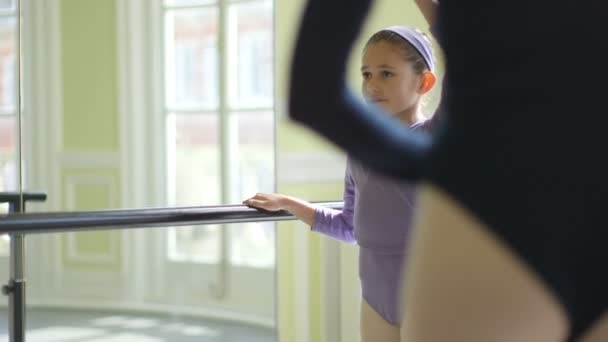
x=86, y=326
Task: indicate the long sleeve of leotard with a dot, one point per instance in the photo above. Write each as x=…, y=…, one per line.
x=319, y=96
x=338, y=224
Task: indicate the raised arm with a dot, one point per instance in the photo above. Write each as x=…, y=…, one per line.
x=429, y=10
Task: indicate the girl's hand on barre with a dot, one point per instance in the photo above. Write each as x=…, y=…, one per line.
x=270, y=202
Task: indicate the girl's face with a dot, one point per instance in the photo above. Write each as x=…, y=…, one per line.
x=389, y=81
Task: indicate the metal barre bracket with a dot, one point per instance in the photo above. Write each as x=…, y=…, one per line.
x=15, y=289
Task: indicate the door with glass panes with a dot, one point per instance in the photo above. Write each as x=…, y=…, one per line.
x=218, y=123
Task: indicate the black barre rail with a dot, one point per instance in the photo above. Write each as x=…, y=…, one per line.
x=18, y=225
x=58, y=222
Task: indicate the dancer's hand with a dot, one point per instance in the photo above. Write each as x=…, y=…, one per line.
x=270, y=202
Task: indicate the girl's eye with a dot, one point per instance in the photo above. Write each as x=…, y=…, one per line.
x=366, y=75
x=387, y=74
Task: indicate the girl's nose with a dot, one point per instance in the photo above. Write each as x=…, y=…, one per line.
x=371, y=87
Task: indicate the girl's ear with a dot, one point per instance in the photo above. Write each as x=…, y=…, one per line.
x=428, y=82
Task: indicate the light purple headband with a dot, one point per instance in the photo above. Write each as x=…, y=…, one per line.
x=418, y=41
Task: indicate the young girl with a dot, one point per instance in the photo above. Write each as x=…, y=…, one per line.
x=397, y=70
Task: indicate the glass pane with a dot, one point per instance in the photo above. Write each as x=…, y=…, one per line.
x=8, y=167
x=191, y=63
x=251, y=54
x=195, y=244
x=193, y=167
x=6, y=4
x=8, y=151
x=8, y=72
x=193, y=159
x=4, y=244
x=255, y=152
x=252, y=244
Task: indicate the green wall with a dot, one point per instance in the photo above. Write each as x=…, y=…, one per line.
x=88, y=34
x=90, y=120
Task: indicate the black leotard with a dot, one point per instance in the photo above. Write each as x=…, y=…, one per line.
x=523, y=143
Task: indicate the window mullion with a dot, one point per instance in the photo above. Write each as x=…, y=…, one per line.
x=226, y=132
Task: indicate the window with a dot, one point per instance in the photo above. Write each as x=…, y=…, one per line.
x=251, y=54
x=191, y=58
x=6, y=4
x=219, y=121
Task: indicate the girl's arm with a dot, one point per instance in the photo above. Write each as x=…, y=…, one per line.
x=337, y=224
x=429, y=10
x=301, y=209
